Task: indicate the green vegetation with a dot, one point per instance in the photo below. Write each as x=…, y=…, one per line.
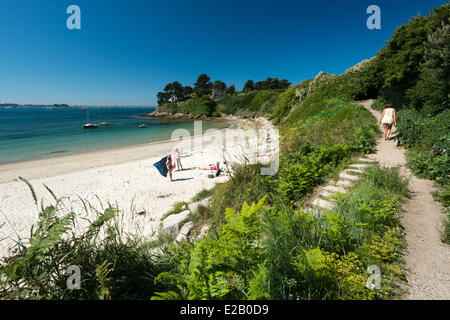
x=201, y=195
x=199, y=106
x=114, y=265
x=276, y=252
x=170, y=107
x=251, y=104
x=444, y=197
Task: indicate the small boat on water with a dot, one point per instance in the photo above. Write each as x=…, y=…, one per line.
x=143, y=125
x=90, y=126
x=105, y=124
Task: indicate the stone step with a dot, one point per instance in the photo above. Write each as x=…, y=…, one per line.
x=334, y=189
x=184, y=232
x=324, y=204
x=194, y=206
x=325, y=193
x=343, y=183
x=358, y=166
x=171, y=224
x=353, y=171
x=347, y=176
x=367, y=160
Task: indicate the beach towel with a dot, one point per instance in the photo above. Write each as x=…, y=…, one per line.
x=161, y=166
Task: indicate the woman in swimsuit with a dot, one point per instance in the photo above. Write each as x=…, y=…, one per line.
x=169, y=165
x=388, y=118
x=215, y=167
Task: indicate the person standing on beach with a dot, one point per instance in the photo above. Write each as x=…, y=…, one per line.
x=177, y=159
x=169, y=165
x=388, y=118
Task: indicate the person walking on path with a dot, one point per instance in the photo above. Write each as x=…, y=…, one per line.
x=388, y=118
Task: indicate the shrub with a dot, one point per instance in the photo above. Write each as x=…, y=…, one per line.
x=199, y=106
x=170, y=107
x=419, y=130
x=246, y=185
x=250, y=104
x=363, y=140
x=431, y=166
x=446, y=231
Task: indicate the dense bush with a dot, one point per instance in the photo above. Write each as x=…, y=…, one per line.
x=363, y=140
x=199, y=106
x=170, y=107
x=428, y=138
x=430, y=165
x=408, y=54
x=420, y=130
x=250, y=104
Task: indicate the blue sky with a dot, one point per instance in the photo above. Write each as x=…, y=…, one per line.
x=128, y=50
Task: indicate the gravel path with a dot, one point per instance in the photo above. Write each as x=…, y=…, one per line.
x=427, y=258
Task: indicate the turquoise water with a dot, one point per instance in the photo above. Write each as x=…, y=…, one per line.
x=35, y=133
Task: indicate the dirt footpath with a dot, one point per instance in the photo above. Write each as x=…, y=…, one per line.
x=427, y=258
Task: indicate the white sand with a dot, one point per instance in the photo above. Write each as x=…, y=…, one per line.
x=124, y=176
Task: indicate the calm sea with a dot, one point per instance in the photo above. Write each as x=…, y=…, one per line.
x=34, y=133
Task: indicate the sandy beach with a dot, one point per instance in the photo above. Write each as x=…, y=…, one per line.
x=123, y=176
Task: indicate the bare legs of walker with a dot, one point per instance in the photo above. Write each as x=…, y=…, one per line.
x=387, y=131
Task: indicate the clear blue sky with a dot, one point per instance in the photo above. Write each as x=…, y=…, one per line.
x=128, y=50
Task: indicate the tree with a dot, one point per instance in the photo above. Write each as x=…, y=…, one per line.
x=203, y=85
x=272, y=84
x=283, y=84
x=437, y=51
x=249, y=86
x=401, y=61
x=187, y=91
x=163, y=97
x=231, y=89
x=219, y=86
x=432, y=91
x=174, y=91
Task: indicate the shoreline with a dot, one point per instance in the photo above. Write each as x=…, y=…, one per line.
x=110, y=156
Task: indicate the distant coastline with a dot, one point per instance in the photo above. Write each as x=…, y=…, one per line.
x=63, y=105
